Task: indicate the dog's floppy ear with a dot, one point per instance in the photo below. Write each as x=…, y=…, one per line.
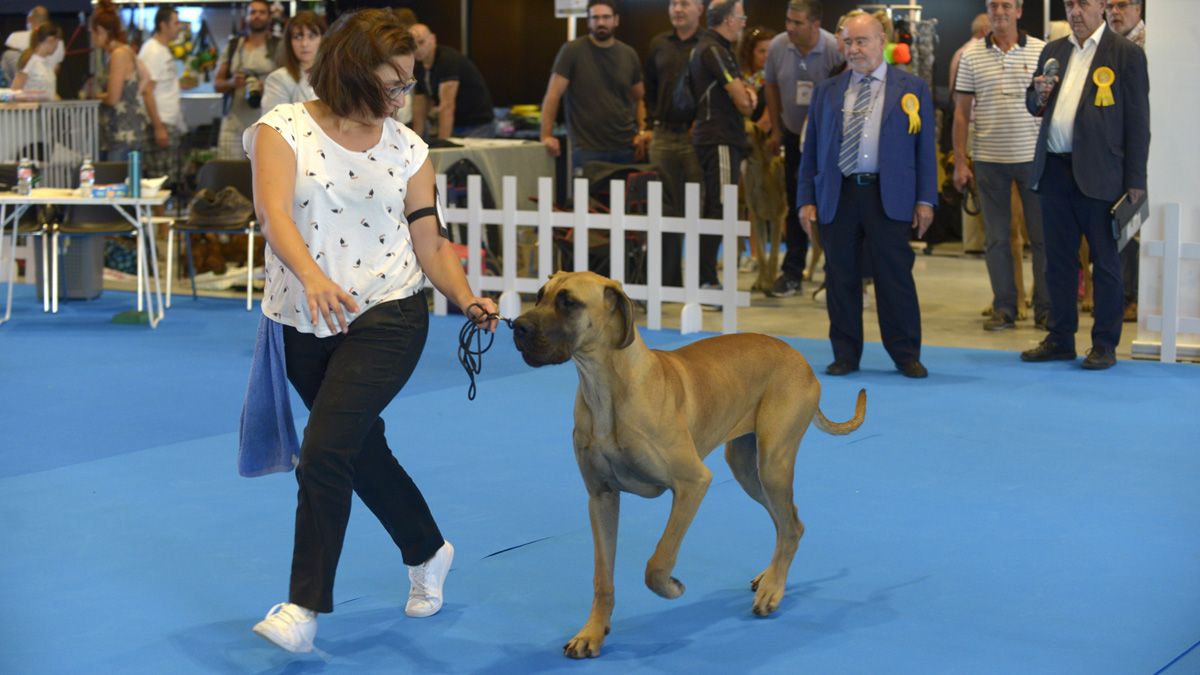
x=623, y=306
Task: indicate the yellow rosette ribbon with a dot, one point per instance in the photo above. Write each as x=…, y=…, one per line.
x=1104, y=77
x=911, y=105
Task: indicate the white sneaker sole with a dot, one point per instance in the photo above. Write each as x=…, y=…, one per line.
x=266, y=635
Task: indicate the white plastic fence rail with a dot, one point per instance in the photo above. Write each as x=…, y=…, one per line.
x=1174, y=251
x=511, y=282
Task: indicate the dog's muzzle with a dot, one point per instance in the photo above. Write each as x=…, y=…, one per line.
x=535, y=347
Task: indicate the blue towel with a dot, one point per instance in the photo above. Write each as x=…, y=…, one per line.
x=267, y=435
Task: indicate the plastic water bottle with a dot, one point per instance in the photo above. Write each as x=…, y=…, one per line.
x=135, y=174
x=25, y=176
x=87, y=178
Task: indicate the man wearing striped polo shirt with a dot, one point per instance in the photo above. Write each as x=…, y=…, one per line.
x=992, y=78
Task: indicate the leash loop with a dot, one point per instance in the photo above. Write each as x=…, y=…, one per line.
x=471, y=347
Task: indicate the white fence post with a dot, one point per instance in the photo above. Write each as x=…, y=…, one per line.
x=654, y=251
x=439, y=300
x=511, y=282
x=690, y=318
x=510, y=299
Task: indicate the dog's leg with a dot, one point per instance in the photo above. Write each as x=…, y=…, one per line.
x=603, y=510
x=776, y=466
x=690, y=484
x=742, y=456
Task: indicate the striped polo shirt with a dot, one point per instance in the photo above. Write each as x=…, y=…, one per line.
x=1005, y=132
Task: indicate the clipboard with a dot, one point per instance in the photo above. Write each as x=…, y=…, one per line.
x=1127, y=218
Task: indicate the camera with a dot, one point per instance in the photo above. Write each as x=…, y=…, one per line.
x=254, y=91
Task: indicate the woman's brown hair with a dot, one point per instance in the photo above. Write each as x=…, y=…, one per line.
x=343, y=75
x=303, y=21
x=106, y=17
x=750, y=40
x=36, y=38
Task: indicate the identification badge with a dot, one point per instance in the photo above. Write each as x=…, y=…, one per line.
x=804, y=92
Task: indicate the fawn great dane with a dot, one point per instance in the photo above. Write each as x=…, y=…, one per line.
x=646, y=419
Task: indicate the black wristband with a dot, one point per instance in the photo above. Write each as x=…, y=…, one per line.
x=421, y=213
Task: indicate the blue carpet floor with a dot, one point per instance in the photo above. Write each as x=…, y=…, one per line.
x=998, y=517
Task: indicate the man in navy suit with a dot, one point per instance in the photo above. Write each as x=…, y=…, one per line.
x=868, y=173
x=1092, y=149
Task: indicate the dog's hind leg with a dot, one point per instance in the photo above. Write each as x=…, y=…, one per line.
x=776, y=467
x=690, y=480
x=742, y=456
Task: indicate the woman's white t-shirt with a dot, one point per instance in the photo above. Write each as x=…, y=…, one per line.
x=39, y=75
x=280, y=88
x=349, y=209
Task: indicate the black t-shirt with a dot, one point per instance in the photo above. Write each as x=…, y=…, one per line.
x=664, y=66
x=473, y=104
x=718, y=121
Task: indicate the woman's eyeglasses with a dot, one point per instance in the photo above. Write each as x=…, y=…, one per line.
x=402, y=89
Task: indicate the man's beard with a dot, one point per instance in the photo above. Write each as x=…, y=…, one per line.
x=602, y=34
x=261, y=27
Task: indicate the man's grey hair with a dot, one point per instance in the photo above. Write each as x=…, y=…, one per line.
x=719, y=10
x=1020, y=3
x=811, y=8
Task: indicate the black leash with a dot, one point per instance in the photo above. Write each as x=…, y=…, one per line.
x=470, y=357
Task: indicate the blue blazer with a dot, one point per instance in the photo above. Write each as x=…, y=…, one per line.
x=1111, y=144
x=907, y=162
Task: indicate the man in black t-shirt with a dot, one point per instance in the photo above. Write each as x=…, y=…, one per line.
x=723, y=100
x=461, y=102
x=668, y=130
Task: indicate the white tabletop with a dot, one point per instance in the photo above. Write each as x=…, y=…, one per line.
x=69, y=196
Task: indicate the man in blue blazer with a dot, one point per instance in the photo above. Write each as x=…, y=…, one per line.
x=1092, y=149
x=868, y=173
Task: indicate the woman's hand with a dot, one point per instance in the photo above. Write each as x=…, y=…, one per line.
x=328, y=301
x=485, y=318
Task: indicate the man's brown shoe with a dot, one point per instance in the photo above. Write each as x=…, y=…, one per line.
x=1047, y=351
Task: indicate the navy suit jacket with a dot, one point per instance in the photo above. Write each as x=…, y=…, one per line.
x=1111, y=144
x=907, y=162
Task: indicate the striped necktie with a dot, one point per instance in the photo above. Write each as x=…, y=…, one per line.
x=848, y=159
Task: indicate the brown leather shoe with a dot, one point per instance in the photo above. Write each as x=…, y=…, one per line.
x=841, y=367
x=913, y=369
x=1131, y=312
x=1047, y=351
x=1100, y=358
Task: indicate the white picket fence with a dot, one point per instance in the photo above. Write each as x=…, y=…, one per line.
x=617, y=222
x=1179, y=272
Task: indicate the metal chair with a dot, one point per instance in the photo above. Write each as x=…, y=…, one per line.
x=96, y=221
x=214, y=175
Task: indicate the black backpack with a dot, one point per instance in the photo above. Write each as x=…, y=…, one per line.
x=683, y=101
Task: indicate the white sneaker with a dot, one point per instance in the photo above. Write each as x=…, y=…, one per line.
x=425, y=594
x=289, y=626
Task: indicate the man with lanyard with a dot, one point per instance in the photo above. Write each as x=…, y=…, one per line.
x=722, y=100
x=667, y=129
x=991, y=81
x=797, y=60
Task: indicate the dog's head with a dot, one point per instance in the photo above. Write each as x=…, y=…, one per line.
x=576, y=312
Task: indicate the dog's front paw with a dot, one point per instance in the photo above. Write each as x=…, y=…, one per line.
x=664, y=584
x=585, y=644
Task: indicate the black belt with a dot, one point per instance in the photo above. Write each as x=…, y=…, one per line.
x=1065, y=156
x=863, y=178
x=676, y=128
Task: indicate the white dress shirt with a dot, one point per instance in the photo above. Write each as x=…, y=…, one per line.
x=1060, y=136
x=868, y=145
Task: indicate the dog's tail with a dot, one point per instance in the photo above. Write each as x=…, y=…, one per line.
x=843, y=428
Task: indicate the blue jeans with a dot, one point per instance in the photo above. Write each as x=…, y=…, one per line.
x=486, y=130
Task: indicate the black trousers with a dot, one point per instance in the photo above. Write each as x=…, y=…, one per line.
x=1068, y=214
x=797, y=240
x=721, y=165
x=346, y=381
x=861, y=232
